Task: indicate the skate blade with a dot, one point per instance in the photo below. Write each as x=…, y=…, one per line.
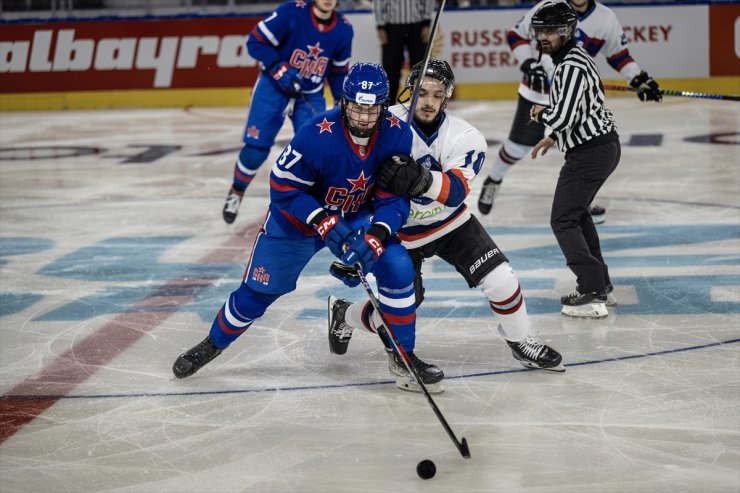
x=408, y=385
x=599, y=219
x=611, y=300
x=527, y=364
x=589, y=310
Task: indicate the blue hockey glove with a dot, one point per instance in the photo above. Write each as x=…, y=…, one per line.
x=366, y=248
x=286, y=77
x=348, y=275
x=647, y=88
x=535, y=76
x=334, y=231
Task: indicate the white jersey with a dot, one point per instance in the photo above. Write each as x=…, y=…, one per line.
x=455, y=155
x=598, y=31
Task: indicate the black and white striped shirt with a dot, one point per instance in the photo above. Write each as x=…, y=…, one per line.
x=402, y=11
x=577, y=113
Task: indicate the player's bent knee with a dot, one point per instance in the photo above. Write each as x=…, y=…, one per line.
x=500, y=284
x=252, y=157
x=394, y=268
x=251, y=304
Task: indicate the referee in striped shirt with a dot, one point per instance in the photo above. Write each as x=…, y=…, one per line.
x=584, y=129
x=402, y=24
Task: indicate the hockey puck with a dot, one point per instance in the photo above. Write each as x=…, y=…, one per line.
x=426, y=469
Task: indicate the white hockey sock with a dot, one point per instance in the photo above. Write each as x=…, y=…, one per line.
x=508, y=155
x=502, y=289
x=356, y=317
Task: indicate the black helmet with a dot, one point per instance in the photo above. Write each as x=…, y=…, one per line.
x=554, y=15
x=436, y=69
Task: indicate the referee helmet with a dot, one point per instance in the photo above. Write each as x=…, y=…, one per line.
x=554, y=17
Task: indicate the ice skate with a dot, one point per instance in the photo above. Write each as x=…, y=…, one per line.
x=430, y=374
x=195, y=358
x=598, y=214
x=531, y=353
x=339, y=332
x=488, y=194
x=231, y=206
x=584, y=305
x=610, y=299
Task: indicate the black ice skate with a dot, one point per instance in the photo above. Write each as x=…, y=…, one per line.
x=195, y=358
x=531, y=353
x=339, y=332
x=231, y=207
x=488, y=194
x=430, y=374
x=598, y=214
x=585, y=305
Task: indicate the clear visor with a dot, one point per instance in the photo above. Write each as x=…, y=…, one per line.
x=448, y=86
x=536, y=31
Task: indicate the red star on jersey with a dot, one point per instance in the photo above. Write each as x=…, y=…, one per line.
x=315, y=50
x=300, y=4
x=325, y=126
x=395, y=122
x=359, y=183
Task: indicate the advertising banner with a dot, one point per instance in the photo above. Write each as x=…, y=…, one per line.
x=694, y=41
x=127, y=54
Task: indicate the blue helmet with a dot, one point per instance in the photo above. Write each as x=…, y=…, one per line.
x=366, y=84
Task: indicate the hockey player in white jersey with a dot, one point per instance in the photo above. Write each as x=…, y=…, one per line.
x=447, y=154
x=598, y=31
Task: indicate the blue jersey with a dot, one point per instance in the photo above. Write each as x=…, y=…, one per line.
x=322, y=168
x=293, y=34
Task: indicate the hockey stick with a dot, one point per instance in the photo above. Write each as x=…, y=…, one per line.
x=668, y=92
x=297, y=88
x=462, y=446
x=427, y=57
x=305, y=100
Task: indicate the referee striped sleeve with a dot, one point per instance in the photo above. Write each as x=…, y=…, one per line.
x=577, y=112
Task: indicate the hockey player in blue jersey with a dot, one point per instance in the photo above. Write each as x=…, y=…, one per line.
x=299, y=46
x=323, y=193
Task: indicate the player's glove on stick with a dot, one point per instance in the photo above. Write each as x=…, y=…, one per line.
x=647, y=88
x=334, y=231
x=366, y=248
x=402, y=175
x=535, y=75
x=348, y=275
x=286, y=77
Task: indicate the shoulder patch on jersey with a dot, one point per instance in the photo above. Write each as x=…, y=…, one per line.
x=395, y=122
x=301, y=4
x=325, y=126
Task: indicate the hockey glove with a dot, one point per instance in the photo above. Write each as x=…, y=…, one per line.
x=348, y=275
x=286, y=77
x=334, y=231
x=647, y=88
x=366, y=248
x=401, y=175
x=535, y=76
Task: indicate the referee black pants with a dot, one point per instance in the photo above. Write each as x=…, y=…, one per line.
x=585, y=170
x=400, y=37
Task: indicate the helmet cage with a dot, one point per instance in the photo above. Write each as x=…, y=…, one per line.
x=350, y=112
x=365, y=85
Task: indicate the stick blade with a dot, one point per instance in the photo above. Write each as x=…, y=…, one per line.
x=464, y=450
